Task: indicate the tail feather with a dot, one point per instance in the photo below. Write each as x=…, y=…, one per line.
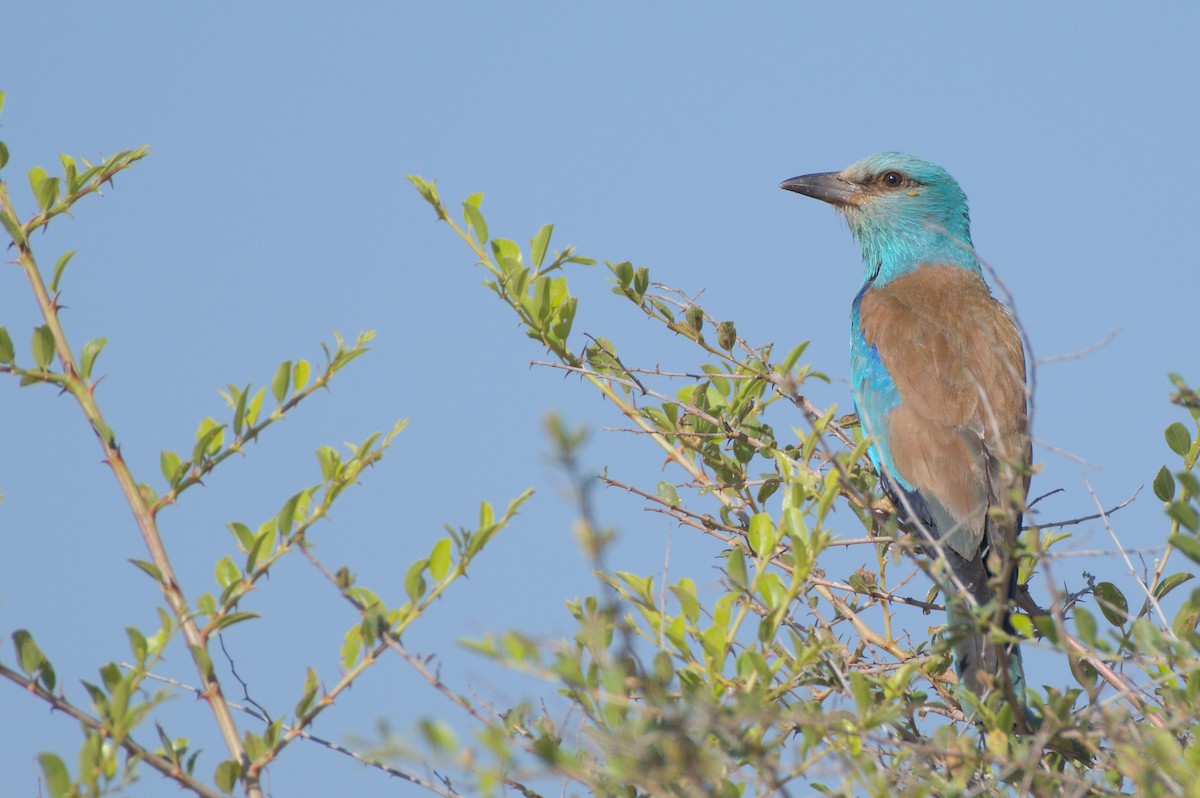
x=983, y=664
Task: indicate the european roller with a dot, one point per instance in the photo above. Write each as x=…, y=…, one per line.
x=937, y=369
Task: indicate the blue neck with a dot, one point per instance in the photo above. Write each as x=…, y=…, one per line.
x=894, y=247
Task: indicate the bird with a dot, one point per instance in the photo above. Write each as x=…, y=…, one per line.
x=937, y=370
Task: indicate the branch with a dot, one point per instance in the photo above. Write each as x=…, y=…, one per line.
x=1102, y=514
x=159, y=763
x=258, y=713
x=137, y=501
x=1132, y=571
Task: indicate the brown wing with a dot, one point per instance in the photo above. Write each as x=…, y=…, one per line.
x=959, y=434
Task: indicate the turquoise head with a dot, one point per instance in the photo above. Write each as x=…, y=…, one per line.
x=903, y=211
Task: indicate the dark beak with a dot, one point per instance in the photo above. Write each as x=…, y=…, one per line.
x=826, y=186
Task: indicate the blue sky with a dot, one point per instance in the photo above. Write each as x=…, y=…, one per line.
x=274, y=210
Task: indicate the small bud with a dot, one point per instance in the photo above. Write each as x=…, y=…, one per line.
x=726, y=335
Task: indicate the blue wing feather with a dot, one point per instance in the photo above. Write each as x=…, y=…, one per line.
x=875, y=396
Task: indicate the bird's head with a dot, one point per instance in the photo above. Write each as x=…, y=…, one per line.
x=903, y=211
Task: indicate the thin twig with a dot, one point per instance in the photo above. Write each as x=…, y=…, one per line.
x=1050, y=447
x=1081, y=353
x=258, y=713
x=1066, y=555
x=1102, y=514
x=1132, y=571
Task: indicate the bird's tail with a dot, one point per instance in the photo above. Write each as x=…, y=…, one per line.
x=985, y=665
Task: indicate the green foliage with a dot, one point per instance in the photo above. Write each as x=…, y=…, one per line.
x=786, y=678
x=120, y=705
x=790, y=676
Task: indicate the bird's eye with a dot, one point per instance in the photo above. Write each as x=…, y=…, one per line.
x=893, y=179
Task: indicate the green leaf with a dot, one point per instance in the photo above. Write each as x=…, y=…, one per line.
x=7, y=355
x=861, y=692
x=364, y=448
x=239, y=408
x=1045, y=626
x=666, y=492
x=1170, y=583
x=232, y=618
x=736, y=567
x=59, y=268
x=311, y=685
x=330, y=461
x=69, y=171
x=508, y=254
x=1178, y=438
x=1186, y=544
x=641, y=280
x=15, y=231
x=252, y=408
x=37, y=176
x=3, y=155
x=352, y=647
x=243, y=534
x=414, y=581
x=1189, y=482
x=1022, y=625
x=137, y=644
x=287, y=515
x=439, y=560
x=770, y=587
x=1085, y=624
x=255, y=747
x=48, y=195
x=87, y=357
x=1186, y=619
x=226, y=775
x=564, y=317
x=281, y=381
x=539, y=243
x=206, y=605
x=300, y=374
x=1164, y=485
x=623, y=271
x=761, y=534
x=110, y=674
x=542, y=292
x=1185, y=515
x=685, y=593
x=1112, y=603
x=210, y=437
x=227, y=573
x=475, y=218
x=58, y=781
x=149, y=568
x=43, y=346
x=169, y=462
x=439, y=735
x=29, y=655
x=253, y=550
